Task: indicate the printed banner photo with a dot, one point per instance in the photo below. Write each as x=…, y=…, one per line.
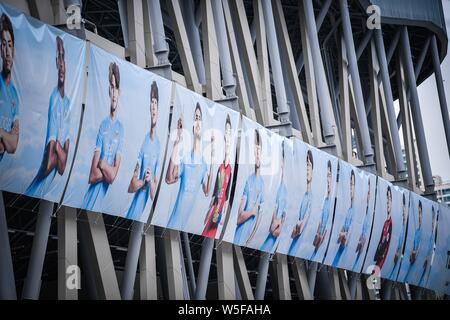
x=122, y=143
x=420, y=241
x=387, y=242
x=439, y=274
x=195, y=192
x=309, y=232
x=296, y=183
x=254, y=202
x=41, y=86
x=352, y=219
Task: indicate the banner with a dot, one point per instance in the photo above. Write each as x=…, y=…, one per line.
x=309, y=232
x=41, y=86
x=352, y=219
x=254, y=201
x=419, y=241
x=199, y=166
x=388, y=232
x=296, y=181
x=122, y=143
x=439, y=274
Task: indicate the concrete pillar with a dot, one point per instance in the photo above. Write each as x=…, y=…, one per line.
x=32, y=285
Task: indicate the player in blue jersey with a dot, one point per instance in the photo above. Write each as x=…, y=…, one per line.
x=279, y=214
x=108, y=148
x=429, y=251
x=57, y=140
x=416, y=245
x=305, y=208
x=252, y=200
x=344, y=233
x=9, y=99
x=401, y=241
x=191, y=170
x=322, y=225
x=143, y=183
x=365, y=229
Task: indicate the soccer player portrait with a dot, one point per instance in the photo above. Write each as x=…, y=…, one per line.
x=344, y=233
x=386, y=234
x=108, y=147
x=143, y=183
x=401, y=240
x=416, y=244
x=250, y=207
x=279, y=214
x=322, y=226
x=365, y=229
x=57, y=140
x=9, y=99
x=305, y=208
x=429, y=253
x=191, y=170
x=219, y=200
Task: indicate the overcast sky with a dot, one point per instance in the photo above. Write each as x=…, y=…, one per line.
x=431, y=113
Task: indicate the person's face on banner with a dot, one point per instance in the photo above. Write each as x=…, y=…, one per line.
x=7, y=51
x=227, y=138
x=197, y=124
x=154, y=111
x=389, y=201
x=60, y=62
x=113, y=93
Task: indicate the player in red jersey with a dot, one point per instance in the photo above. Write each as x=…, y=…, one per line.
x=219, y=200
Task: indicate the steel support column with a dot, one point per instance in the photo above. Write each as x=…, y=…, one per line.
x=416, y=113
x=261, y=281
x=323, y=92
x=203, y=271
x=383, y=64
x=356, y=81
x=131, y=262
x=440, y=90
x=32, y=285
x=67, y=252
x=8, y=285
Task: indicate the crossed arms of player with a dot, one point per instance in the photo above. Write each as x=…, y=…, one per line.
x=56, y=156
x=215, y=200
x=300, y=225
x=137, y=184
x=9, y=140
x=276, y=224
x=102, y=171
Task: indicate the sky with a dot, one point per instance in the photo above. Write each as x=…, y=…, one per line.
x=431, y=112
